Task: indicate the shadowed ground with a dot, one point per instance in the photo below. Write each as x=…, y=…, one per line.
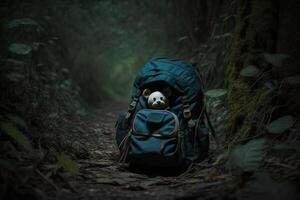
x=102, y=177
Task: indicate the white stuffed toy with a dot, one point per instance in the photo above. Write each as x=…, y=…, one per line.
x=157, y=99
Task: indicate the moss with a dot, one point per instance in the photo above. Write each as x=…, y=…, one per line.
x=241, y=99
x=234, y=86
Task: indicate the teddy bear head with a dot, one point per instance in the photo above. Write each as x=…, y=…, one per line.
x=157, y=99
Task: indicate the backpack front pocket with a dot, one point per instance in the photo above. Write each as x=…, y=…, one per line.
x=155, y=138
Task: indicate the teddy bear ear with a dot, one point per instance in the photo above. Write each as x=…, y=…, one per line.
x=146, y=93
x=167, y=91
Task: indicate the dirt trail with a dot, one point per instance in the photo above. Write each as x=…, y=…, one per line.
x=102, y=177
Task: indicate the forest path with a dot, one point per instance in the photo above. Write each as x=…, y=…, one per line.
x=102, y=177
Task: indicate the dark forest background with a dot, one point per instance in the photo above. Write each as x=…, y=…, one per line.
x=61, y=60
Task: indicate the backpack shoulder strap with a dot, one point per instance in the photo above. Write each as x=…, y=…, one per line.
x=132, y=105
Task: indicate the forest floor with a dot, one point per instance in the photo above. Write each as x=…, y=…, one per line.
x=102, y=177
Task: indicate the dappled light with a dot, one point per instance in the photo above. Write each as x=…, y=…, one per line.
x=108, y=41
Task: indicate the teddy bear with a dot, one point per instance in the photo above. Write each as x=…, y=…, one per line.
x=157, y=99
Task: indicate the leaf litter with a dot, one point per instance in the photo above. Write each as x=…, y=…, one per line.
x=100, y=173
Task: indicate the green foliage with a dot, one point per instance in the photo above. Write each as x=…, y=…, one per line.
x=281, y=124
x=249, y=71
x=23, y=21
x=276, y=60
x=15, y=76
x=5, y=164
x=293, y=80
x=66, y=84
x=288, y=145
x=20, y=49
x=272, y=84
x=262, y=187
x=69, y=165
x=17, y=120
x=214, y=93
x=16, y=134
x=247, y=157
x=99, y=47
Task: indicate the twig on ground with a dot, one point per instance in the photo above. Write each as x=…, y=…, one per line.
x=46, y=179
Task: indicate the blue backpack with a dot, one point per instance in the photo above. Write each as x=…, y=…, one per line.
x=172, y=137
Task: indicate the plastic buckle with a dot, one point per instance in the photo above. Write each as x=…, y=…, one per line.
x=187, y=113
x=191, y=123
x=185, y=101
x=132, y=105
x=186, y=107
